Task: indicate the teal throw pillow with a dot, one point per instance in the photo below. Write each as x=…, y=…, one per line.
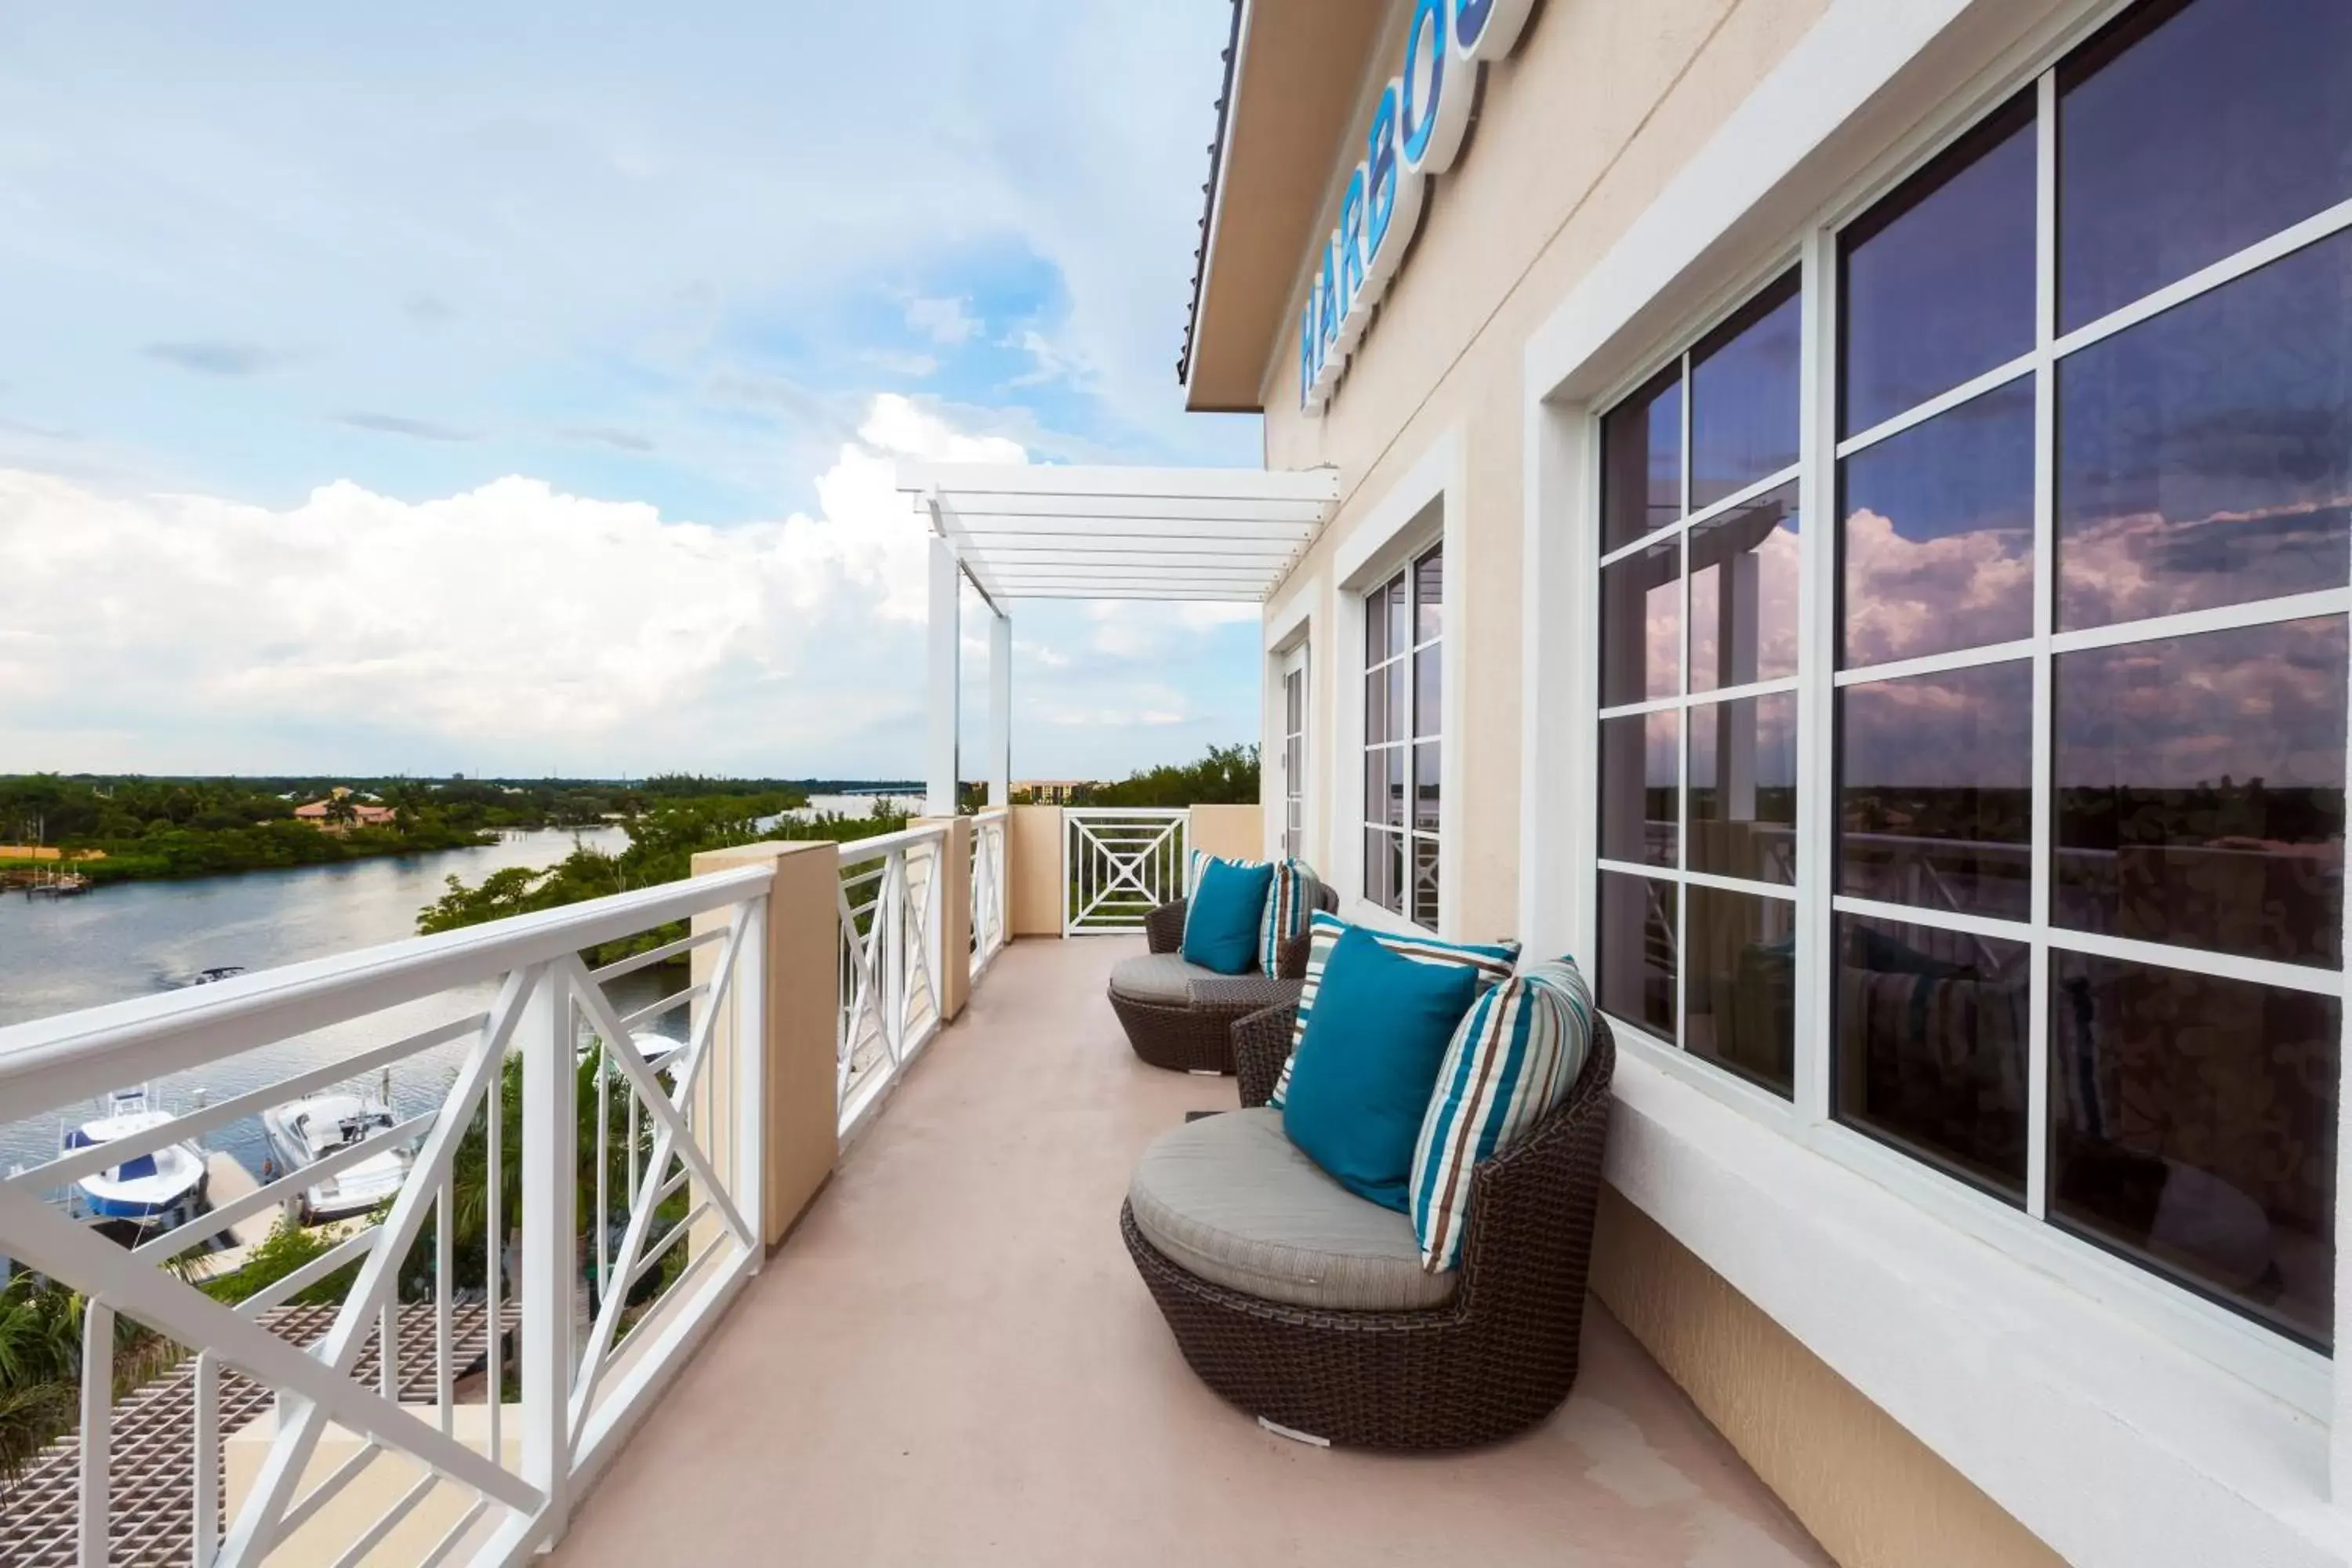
x=1361, y=1080
x=1221, y=923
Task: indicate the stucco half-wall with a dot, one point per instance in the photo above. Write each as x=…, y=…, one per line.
x=1870, y=1492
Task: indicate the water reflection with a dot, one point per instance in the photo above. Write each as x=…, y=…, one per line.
x=2199, y=791
x=2194, y=1129
x=1937, y=543
x=2205, y=454
x=1935, y=790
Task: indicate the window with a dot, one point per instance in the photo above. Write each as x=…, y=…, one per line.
x=1698, y=727
x=1294, y=753
x=2086, y=507
x=1404, y=690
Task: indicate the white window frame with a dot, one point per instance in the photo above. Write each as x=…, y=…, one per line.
x=1424, y=507
x=2192, y=1413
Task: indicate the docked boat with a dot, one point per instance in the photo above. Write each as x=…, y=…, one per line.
x=302, y=1133
x=217, y=973
x=164, y=1187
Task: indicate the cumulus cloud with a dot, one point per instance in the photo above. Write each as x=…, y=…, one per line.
x=511, y=617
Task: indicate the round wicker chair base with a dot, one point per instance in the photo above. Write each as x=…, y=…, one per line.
x=1182, y=1039
x=1434, y=1379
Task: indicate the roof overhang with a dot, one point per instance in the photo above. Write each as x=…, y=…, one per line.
x=1296, y=71
x=1039, y=531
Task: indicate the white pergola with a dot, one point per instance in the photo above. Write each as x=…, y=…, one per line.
x=1017, y=531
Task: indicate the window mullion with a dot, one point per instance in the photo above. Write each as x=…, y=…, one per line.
x=1816, y=659
x=2045, y=426
x=1682, y=737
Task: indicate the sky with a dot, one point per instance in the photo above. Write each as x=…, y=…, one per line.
x=515, y=389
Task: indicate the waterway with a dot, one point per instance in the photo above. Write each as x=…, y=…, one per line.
x=138, y=937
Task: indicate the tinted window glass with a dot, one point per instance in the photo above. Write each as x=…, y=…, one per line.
x=1428, y=689
x=1743, y=592
x=1936, y=545
x=1931, y=1046
x=1641, y=626
x=1383, y=875
x=1937, y=281
x=1429, y=596
x=2194, y=1129
x=1642, y=461
x=1743, y=788
x=2188, y=133
x=1640, y=794
x=1744, y=397
x=2201, y=791
x=1935, y=790
x=1377, y=765
x=1636, y=948
x=1739, y=984
x=1424, y=786
x=1425, y=882
x=2205, y=454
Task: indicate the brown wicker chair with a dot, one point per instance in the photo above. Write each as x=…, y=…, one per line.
x=1495, y=1360
x=1197, y=1035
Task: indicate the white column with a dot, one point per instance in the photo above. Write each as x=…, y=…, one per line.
x=1000, y=709
x=947, y=648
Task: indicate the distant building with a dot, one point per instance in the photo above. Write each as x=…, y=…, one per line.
x=1049, y=791
x=363, y=814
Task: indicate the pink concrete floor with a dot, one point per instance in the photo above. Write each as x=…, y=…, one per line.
x=952, y=1361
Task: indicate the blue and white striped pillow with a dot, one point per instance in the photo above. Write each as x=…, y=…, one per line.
x=1515, y=1057
x=1493, y=960
x=1286, y=909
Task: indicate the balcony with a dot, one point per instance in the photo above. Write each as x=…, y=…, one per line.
x=876, y=1306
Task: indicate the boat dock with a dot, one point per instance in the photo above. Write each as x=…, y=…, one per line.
x=226, y=1181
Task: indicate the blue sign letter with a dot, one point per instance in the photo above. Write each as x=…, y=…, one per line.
x=1424, y=48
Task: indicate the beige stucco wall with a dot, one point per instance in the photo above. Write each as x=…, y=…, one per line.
x=1236, y=832
x=1033, y=867
x=1595, y=111
x=1870, y=1492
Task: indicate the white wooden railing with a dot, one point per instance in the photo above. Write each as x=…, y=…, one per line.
x=671, y=1224
x=992, y=923
x=892, y=961
x=1119, y=865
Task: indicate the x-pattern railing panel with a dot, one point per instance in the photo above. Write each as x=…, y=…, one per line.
x=552, y=1027
x=1117, y=866
x=891, y=959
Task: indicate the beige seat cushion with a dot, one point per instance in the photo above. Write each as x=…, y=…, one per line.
x=1162, y=978
x=1231, y=1199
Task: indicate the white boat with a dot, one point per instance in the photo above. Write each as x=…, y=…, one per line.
x=164, y=1187
x=302, y=1133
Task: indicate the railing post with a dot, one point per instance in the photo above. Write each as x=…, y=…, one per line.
x=788, y=1038
x=1034, y=871
x=551, y=1275
x=890, y=953
x=949, y=926
x=97, y=1431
